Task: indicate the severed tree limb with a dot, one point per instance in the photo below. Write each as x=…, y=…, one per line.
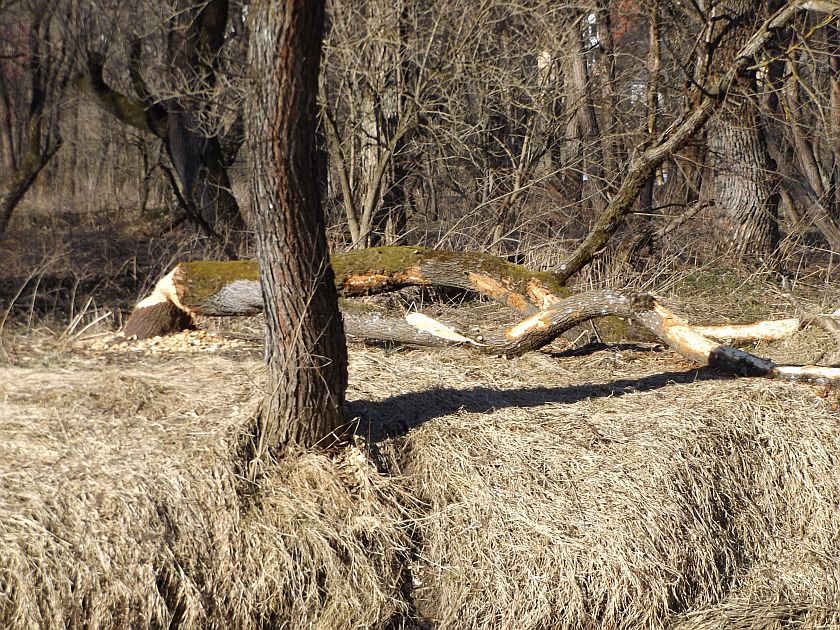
x=686, y=340
x=231, y=288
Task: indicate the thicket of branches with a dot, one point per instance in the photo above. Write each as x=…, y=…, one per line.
x=499, y=125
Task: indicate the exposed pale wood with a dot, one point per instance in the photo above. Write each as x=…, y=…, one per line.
x=771, y=330
x=231, y=288
x=225, y=288
x=680, y=336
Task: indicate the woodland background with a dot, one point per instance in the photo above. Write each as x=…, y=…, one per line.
x=485, y=125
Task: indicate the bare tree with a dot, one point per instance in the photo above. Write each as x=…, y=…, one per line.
x=743, y=180
x=305, y=347
x=34, y=70
x=174, y=95
x=368, y=115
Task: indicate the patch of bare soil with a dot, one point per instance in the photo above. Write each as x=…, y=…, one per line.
x=619, y=487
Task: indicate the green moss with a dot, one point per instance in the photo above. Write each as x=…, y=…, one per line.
x=616, y=329
x=387, y=260
x=204, y=278
x=376, y=260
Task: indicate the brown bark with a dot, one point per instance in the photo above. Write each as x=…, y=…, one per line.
x=677, y=136
x=582, y=152
x=197, y=156
x=305, y=347
x=48, y=78
x=231, y=288
x=743, y=180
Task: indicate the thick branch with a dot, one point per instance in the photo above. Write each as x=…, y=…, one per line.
x=231, y=288
x=127, y=110
x=644, y=165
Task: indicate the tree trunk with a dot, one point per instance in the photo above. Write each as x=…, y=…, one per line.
x=743, y=183
x=195, y=153
x=47, y=79
x=677, y=136
x=582, y=155
x=230, y=288
x=199, y=163
x=305, y=347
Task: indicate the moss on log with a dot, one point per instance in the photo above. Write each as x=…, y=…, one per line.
x=232, y=288
x=227, y=288
x=381, y=269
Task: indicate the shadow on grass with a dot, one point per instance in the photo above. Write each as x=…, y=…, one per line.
x=395, y=416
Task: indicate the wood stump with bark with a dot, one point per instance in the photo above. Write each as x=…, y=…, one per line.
x=232, y=288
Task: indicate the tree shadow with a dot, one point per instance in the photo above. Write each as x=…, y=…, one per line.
x=395, y=416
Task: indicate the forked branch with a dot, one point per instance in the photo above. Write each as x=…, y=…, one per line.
x=232, y=288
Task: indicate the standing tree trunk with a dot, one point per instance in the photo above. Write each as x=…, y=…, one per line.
x=305, y=346
x=743, y=184
x=196, y=153
x=582, y=155
x=48, y=78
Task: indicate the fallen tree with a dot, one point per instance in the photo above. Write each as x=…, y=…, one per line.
x=232, y=288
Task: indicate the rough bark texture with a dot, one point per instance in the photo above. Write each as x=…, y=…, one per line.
x=196, y=155
x=673, y=139
x=743, y=184
x=221, y=289
x=226, y=288
x=305, y=347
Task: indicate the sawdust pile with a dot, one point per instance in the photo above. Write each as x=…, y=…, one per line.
x=618, y=490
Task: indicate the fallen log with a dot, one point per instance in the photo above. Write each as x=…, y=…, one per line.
x=232, y=288
x=687, y=340
x=222, y=289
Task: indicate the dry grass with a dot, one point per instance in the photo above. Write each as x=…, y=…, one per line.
x=620, y=489
x=121, y=507
x=557, y=504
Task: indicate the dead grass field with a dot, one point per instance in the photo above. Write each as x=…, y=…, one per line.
x=616, y=488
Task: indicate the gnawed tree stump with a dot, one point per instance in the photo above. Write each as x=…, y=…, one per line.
x=232, y=288
x=220, y=289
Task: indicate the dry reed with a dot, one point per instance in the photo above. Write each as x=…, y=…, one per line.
x=616, y=490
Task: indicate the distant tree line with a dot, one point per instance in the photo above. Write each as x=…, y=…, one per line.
x=492, y=125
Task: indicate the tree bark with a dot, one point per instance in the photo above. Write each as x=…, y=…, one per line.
x=47, y=79
x=582, y=155
x=196, y=155
x=677, y=136
x=231, y=288
x=305, y=347
x=743, y=180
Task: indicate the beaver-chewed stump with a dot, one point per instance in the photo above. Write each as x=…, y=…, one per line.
x=233, y=288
